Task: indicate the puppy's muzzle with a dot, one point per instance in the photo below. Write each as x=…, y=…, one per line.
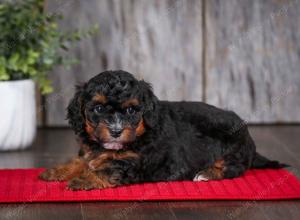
x=116, y=126
x=115, y=132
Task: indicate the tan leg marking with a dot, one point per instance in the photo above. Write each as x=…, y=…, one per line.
x=216, y=172
x=102, y=161
x=92, y=180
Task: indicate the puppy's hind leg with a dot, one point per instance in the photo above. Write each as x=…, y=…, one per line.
x=220, y=170
x=216, y=172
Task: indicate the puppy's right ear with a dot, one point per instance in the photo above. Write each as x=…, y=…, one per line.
x=75, y=112
x=150, y=102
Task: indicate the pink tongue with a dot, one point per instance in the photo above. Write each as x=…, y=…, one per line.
x=113, y=146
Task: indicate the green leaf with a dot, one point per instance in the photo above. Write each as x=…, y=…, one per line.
x=32, y=57
x=13, y=61
x=32, y=71
x=45, y=86
x=46, y=89
x=24, y=68
x=48, y=61
x=33, y=54
x=31, y=44
x=3, y=74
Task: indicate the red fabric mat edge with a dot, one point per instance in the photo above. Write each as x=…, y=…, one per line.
x=87, y=196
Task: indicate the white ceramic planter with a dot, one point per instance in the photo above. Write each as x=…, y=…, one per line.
x=17, y=114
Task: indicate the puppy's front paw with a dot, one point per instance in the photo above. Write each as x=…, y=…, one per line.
x=52, y=174
x=80, y=184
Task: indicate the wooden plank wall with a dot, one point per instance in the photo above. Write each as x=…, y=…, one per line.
x=252, y=58
x=239, y=55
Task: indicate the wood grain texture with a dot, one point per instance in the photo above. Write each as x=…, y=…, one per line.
x=160, y=41
x=248, y=60
x=252, y=59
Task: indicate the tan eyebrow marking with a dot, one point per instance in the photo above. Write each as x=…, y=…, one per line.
x=130, y=102
x=100, y=98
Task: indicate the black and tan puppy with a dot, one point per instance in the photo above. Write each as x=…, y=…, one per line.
x=128, y=136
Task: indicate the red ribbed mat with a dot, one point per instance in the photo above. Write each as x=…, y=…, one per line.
x=22, y=185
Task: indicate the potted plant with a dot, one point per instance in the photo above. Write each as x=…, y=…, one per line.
x=30, y=46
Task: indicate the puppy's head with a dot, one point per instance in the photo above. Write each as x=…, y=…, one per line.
x=113, y=108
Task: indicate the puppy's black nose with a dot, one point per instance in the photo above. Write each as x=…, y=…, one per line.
x=115, y=133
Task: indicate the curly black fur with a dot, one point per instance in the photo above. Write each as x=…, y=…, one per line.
x=180, y=139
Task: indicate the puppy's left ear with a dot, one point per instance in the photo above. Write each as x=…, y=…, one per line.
x=150, y=102
x=75, y=113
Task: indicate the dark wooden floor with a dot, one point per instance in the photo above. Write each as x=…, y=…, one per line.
x=56, y=145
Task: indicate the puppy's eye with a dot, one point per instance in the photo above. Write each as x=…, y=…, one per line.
x=130, y=110
x=98, y=109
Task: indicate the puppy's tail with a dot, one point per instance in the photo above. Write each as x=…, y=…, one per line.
x=260, y=162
